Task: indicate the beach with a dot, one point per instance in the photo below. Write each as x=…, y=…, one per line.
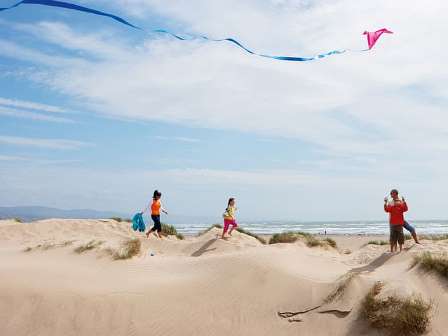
x=71, y=277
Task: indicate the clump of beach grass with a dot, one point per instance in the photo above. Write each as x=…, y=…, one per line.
x=378, y=242
x=401, y=316
x=18, y=220
x=293, y=236
x=341, y=287
x=88, y=246
x=49, y=245
x=117, y=219
x=331, y=242
x=432, y=263
x=287, y=237
x=128, y=249
x=218, y=226
x=311, y=241
x=170, y=230
x=257, y=237
x=434, y=237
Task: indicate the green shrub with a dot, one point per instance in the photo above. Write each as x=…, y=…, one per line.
x=18, y=220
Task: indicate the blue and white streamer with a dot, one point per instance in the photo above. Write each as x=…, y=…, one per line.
x=67, y=5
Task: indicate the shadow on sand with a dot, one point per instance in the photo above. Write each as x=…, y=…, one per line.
x=205, y=248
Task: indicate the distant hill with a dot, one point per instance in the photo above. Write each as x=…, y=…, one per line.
x=29, y=213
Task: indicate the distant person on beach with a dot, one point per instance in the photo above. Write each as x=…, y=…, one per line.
x=229, y=217
x=156, y=209
x=396, y=209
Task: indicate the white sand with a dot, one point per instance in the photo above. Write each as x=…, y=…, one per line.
x=199, y=286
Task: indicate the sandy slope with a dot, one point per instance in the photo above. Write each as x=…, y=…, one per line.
x=200, y=286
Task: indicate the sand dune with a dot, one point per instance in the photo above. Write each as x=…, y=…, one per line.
x=198, y=286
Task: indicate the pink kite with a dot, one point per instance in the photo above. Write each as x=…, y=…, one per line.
x=372, y=37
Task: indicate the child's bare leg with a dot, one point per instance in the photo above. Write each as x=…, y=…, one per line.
x=401, y=247
x=148, y=233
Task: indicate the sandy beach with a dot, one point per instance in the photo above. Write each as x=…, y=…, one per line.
x=50, y=285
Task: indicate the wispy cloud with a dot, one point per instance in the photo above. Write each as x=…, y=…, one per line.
x=12, y=158
x=176, y=138
x=62, y=144
x=16, y=113
x=31, y=105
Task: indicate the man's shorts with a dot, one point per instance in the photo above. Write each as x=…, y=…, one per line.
x=396, y=234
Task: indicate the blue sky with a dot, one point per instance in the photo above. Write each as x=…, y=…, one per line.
x=96, y=115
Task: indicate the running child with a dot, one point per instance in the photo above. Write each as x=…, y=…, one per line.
x=156, y=208
x=229, y=217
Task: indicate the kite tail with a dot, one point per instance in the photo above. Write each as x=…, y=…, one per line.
x=67, y=5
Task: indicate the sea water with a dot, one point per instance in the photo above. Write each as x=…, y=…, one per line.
x=340, y=227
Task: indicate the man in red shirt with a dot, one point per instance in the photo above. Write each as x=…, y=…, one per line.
x=396, y=209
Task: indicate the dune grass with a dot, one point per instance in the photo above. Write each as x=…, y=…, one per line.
x=378, y=242
x=18, y=220
x=431, y=263
x=48, y=246
x=88, y=246
x=400, y=316
x=309, y=239
x=434, y=237
x=128, y=249
x=331, y=242
x=257, y=237
x=287, y=237
x=341, y=287
x=218, y=226
x=170, y=230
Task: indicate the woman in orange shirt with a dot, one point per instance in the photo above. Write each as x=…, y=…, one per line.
x=156, y=208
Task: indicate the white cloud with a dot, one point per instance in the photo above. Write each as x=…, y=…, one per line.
x=31, y=105
x=42, y=143
x=176, y=138
x=377, y=118
x=19, y=113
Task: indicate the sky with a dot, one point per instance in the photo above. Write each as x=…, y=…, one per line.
x=94, y=114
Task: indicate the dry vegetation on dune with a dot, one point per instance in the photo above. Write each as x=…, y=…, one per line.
x=218, y=226
x=431, y=263
x=344, y=281
x=290, y=237
x=257, y=237
x=88, y=246
x=127, y=250
x=399, y=316
x=48, y=246
x=170, y=230
x=293, y=236
x=378, y=242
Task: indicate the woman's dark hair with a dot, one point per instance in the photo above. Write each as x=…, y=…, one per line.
x=156, y=194
x=230, y=200
x=394, y=191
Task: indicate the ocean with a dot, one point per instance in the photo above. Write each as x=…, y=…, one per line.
x=347, y=227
